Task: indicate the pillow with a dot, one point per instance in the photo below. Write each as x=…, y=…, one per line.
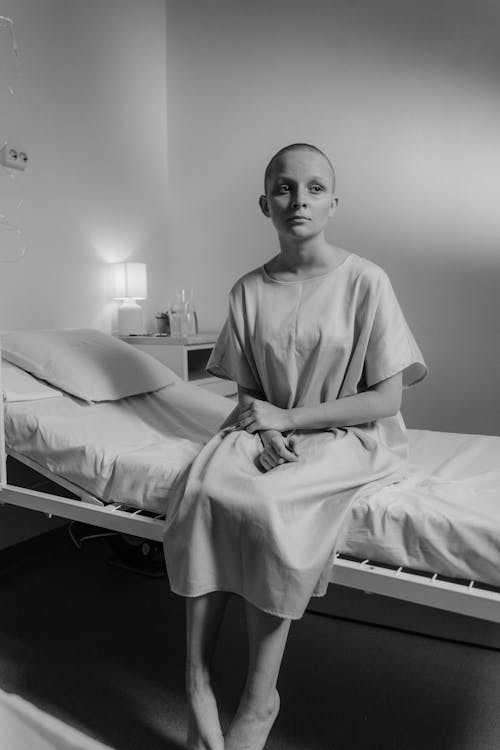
x=86, y=363
x=18, y=385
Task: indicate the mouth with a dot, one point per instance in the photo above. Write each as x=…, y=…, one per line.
x=298, y=218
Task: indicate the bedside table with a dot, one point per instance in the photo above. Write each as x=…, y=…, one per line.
x=187, y=357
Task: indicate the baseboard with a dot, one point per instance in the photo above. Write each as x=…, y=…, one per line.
x=384, y=611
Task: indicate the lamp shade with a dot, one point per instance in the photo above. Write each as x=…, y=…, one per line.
x=129, y=281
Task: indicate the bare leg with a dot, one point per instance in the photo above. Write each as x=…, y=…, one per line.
x=203, y=620
x=259, y=703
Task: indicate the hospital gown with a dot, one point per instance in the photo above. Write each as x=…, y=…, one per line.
x=271, y=536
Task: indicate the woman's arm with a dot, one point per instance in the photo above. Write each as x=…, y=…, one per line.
x=276, y=448
x=382, y=400
x=246, y=397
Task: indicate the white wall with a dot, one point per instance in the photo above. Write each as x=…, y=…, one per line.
x=91, y=110
x=404, y=97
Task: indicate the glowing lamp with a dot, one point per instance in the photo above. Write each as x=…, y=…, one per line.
x=130, y=284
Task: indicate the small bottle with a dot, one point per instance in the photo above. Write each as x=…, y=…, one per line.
x=183, y=320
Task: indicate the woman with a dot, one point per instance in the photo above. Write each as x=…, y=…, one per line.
x=319, y=348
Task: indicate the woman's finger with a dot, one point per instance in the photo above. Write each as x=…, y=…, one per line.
x=282, y=452
x=293, y=444
x=272, y=460
x=275, y=452
x=249, y=424
x=265, y=461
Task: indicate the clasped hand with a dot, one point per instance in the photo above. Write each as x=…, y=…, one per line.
x=277, y=449
x=261, y=415
x=270, y=421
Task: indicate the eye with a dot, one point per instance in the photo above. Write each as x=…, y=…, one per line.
x=316, y=188
x=283, y=188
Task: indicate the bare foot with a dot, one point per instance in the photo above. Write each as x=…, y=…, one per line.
x=251, y=727
x=204, y=730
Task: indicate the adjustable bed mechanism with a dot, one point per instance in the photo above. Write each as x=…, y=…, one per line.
x=88, y=509
x=420, y=587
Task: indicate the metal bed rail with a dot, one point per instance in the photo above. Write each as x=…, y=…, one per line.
x=428, y=589
x=113, y=516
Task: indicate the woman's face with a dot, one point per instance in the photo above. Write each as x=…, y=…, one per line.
x=299, y=194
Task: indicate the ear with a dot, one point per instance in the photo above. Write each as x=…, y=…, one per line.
x=264, y=207
x=333, y=206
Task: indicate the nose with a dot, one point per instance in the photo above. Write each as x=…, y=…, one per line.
x=299, y=199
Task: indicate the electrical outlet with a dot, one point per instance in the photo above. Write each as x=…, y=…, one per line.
x=13, y=158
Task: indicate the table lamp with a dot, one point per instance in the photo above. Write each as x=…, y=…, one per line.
x=130, y=284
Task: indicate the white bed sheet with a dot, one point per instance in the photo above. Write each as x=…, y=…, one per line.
x=444, y=517
x=128, y=451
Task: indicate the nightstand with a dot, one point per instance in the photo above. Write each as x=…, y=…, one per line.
x=187, y=357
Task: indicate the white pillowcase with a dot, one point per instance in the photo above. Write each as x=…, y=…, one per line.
x=86, y=363
x=19, y=385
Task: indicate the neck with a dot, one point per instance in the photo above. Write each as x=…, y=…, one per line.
x=309, y=255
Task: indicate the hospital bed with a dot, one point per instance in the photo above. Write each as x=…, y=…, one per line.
x=115, y=429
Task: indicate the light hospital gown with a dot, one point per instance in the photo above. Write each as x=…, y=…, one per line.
x=270, y=536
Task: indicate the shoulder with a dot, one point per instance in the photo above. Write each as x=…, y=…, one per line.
x=249, y=282
x=367, y=274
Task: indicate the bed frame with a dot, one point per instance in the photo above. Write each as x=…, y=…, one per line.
x=429, y=589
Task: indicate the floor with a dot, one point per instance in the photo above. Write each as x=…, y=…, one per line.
x=103, y=648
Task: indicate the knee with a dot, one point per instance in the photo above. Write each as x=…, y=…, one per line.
x=239, y=495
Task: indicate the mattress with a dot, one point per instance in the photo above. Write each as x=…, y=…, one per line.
x=443, y=517
x=130, y=451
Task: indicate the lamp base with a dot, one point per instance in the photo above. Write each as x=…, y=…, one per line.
x=130, y=318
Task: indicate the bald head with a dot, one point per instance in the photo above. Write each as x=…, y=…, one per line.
x=295, y=147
